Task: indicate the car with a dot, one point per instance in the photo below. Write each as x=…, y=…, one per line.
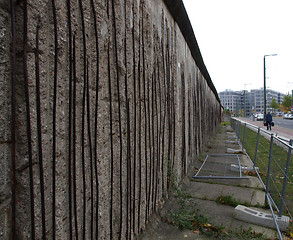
x=259, y=117
x=288, y=116
x=279, y=114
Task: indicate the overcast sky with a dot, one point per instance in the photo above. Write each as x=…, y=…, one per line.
x=234, y=35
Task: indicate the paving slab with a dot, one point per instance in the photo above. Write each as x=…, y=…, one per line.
x=250, y=181
x=160, y=230
x=212, y=191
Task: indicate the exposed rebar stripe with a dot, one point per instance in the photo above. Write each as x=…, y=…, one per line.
x=164, y=116
x=96, y=118
x=157, y=135
x=139, y=136
x=70, y=120
x=83, y=116
x=12, y=126
x=172, y=105
x=132, y=219
x=119, y=108
x=28, y=118
x=128, y=153
x=39, y=129
x=91, y=150
x=54, y=122
x=74, y=140
x=111, y=140
x=83, y=160
x=145, y=116
x=153, y=137
x=150, y=148
x=169, y=112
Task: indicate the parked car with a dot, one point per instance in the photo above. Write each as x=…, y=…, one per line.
x=288, y=116
x=259, y=117
x=279, y=114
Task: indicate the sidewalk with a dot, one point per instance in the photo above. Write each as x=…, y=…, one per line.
x=276, y=130
x=202, y=194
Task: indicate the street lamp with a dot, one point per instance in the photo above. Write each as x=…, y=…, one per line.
x=264, y=88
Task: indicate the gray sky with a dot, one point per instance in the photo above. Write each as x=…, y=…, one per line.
x=234, y=35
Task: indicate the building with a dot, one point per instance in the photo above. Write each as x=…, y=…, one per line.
x=257, y=99
x=244, y=103
x=231, y=100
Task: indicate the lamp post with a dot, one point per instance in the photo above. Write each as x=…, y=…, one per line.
x=264, y=88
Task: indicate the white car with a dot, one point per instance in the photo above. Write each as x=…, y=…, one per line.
x=288, y=116
x=259, y=117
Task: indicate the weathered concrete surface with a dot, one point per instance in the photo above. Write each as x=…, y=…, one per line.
x=5, y=120
x=119, y=104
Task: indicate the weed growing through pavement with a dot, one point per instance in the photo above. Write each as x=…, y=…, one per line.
x=230, y=201
x=189, y=217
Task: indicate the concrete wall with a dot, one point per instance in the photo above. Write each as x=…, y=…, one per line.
x=5, y=119
x=110, y=102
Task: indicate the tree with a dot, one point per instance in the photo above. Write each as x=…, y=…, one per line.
x=274, y=104
x=227, y=111
x=287, y=102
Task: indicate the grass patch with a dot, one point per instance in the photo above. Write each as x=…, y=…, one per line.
x=225, y=123
x=278, y=164
x=227, y=200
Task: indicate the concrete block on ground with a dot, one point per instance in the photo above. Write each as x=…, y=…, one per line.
x=229, y=129
x=260, y=218
x=231, y=134
x=232, y=137
x=235, y=168
x=231, y=142
x=235, y=151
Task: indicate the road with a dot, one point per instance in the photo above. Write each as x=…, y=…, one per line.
x=283, y=123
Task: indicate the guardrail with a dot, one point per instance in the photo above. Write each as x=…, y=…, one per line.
x=272, y=156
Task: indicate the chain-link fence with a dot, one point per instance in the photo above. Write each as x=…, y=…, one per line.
x=271, y=156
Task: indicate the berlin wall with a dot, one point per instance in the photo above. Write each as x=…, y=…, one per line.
x=104, y=106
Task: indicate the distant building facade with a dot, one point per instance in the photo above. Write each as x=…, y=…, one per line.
x=244, y=103
x=231, y=100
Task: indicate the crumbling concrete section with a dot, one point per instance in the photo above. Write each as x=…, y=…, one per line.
x=103, y=105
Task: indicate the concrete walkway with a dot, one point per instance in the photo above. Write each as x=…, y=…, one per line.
x=202, y=194
x=276, y=130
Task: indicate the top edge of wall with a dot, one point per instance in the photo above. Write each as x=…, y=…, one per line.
x=178, y=11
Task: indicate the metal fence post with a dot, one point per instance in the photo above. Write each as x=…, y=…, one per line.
x=285, y=179
x=238, y=130
x=269, y=165
x=244, y=132
x=256, y=147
